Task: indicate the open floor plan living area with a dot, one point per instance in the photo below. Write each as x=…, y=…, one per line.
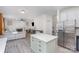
x=39, y=29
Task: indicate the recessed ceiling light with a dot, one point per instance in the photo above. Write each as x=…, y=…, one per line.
x=22, y=11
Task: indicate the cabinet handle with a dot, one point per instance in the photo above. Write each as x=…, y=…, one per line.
x=39, y=45
x=40, y=50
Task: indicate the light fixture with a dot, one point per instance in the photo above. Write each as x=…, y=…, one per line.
x=22, y=11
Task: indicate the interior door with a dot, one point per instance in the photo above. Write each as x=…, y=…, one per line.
x=1, y=24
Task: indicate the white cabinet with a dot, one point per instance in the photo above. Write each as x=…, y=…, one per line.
x=48, y=26
x=38, y=45
x=43, y=43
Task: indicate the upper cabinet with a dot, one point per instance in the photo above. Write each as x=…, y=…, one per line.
x=70, y=15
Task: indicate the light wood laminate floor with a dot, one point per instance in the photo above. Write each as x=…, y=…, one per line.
x=18, y=46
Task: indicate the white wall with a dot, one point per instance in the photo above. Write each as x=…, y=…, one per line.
x=44, y=22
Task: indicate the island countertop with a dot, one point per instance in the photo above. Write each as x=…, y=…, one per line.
x=44, y=37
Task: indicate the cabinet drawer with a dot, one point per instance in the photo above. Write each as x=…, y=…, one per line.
x=40, y=42
x=41, y=46
x=33, y=44
x=41, y=49
x=37, y=45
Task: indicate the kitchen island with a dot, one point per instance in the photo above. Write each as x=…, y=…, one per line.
x=43, y=43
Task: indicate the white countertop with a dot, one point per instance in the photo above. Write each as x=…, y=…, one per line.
x=44, y=37
x=2, y=44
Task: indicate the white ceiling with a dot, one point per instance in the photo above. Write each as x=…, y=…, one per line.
x=30, y=10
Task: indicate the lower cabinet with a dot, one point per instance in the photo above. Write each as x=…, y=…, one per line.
x=39, y=46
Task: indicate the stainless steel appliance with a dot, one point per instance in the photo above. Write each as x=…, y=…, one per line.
x=66, y=37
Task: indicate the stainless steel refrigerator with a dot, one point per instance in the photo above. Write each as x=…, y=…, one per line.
x=66, y=37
